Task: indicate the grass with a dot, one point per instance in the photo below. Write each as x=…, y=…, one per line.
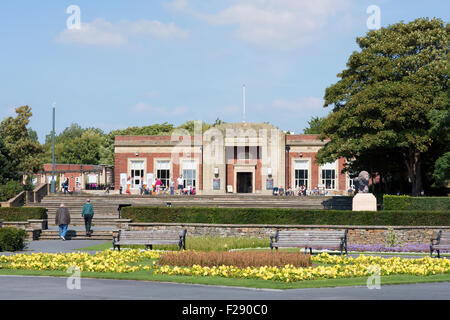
x=204, y=243
x=251, y=283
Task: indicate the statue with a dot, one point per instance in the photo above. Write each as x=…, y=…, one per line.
x=363, y=182
x=363, y=200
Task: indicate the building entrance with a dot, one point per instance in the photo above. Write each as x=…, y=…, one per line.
x=244, y=182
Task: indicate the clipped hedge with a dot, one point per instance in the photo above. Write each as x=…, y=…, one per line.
x=285, y=216
x=9, y=190
x=391, y=202
x=22, y=213
x=12, y=239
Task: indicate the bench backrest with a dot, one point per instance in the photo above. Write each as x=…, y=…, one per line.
x=315, y=235
x=444, y=237
x=151, y=234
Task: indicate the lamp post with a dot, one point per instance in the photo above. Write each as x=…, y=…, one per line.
x=53, y=183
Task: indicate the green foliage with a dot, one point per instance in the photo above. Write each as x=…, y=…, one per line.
x=391, y=237
x=284, y=216
x=9, y=190
x=24, y=151
x=12, y=239
x=383, y=100
x=22, y=213
x=441, y=172
x=315, y=126
x=391, y=202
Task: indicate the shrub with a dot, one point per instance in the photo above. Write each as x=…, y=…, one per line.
x=235, y=259
x=281, y=216
x=22, y=213
x=415, y=203
x=9, y=190
x=12, y=239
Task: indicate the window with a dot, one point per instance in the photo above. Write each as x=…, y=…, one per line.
x=301, y=173
x=329, y=175
x=137, y=174
x=189, y=173
x=163, y=172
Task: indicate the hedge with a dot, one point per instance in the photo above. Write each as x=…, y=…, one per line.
x=285, y=216
x=22, y=213
x=9, y=190
x=391, y=202
x=12, y=239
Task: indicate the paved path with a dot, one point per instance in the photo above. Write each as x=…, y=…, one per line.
x=16, y=287
x=57, y=246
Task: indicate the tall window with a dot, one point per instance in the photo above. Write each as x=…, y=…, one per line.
x=189, y=173
x=301, y=173
x=329, y=175
x=163, y=172
x=137, y=173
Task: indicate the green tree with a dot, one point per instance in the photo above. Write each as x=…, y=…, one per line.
x=6, y=166
x=24, y=151
x=314, y=126
x=382, y=101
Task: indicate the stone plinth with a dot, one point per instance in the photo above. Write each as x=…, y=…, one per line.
x=364, y=202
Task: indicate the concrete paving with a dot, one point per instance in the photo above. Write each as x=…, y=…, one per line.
x=48, y=288
x=57, y=246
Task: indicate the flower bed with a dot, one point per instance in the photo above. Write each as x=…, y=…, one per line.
x=336, y=267
x=104, y=261
x=236, y=259
x=408, y=247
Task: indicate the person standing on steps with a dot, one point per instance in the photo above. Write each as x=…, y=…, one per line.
x=88, y=213
x=62, y=220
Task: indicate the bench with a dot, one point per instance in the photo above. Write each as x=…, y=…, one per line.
x=442, y=242
x=318, y=239
x=150, y=237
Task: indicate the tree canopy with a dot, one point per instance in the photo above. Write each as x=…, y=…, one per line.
x=384, y=103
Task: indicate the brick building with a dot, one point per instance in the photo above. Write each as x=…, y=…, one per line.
x=228, y=158
x=81, y=176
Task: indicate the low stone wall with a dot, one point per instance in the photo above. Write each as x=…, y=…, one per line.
x=366, y=235
x=32, y=227
x=17, y=201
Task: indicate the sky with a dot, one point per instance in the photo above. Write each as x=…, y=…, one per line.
x=135, y=63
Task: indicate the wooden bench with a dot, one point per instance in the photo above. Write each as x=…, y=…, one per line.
x=442, y=242
x=150, y=237
x=318, y=239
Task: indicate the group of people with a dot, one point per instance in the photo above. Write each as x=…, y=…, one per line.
x=159, y=187
x=62, y=219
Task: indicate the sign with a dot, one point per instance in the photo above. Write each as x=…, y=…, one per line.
x=150, y=179
x=92, y=178
x=123, y=180
x=216, y=184
x=269, y=184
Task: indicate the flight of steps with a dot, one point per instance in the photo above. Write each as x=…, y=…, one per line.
x=105, y=208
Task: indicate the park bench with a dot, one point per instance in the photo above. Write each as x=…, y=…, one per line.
x=150, y=237
x=318, y=239
x=442, y=242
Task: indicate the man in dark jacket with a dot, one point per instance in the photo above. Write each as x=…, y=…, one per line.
x=62, y=220
x=88, y=213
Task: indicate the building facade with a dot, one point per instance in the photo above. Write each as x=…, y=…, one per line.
x=228, y=158
x=81, y=176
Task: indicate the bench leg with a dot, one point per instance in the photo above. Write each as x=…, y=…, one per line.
x=310, y=251
x=118, y=247
x=438, y=252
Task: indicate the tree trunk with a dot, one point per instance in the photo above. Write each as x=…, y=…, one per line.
x=413, y=164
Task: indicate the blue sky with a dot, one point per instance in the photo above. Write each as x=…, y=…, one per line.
x=135, y=63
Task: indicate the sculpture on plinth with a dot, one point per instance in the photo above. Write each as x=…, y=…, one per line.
x=363, y=200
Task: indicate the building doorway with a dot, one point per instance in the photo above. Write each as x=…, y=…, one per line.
x=244, y=182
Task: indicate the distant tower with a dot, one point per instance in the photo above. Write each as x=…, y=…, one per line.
x=243, y=102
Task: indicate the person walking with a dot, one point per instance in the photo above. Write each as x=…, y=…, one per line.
x=62, y=220
x=88, y=213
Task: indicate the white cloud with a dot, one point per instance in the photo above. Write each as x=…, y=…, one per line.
x=103, y=33
x=283, y=24
x=151, y=94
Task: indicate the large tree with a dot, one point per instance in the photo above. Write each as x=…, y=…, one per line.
x=24, y=150
x=383, y=100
